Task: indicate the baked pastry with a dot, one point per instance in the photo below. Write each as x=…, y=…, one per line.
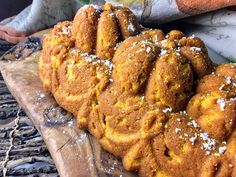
x=133, y=97
x=214, y=104
x=98, y=30
x=95, y=30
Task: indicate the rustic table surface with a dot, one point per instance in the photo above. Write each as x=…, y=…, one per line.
x=22, y=149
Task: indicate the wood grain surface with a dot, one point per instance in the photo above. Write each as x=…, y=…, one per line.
x=75, y=152
x=22, y=149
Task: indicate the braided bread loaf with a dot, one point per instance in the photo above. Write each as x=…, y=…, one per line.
x=132, y=95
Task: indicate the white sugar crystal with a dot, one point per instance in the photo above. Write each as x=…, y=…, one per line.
x=193, y=139
x=135, y=43
x=183, y=112
x=193, y=123
x=196, y=49
x=186, y=134
x=112, y=14
x=95, y=60
x=221, y=87
x=163, y=52
x=166, y=110
x=177, y=130
x=107, y=63
x=204, y=136
x=131, y=27
x=66, y=30
x=222, y=149
x=208, y=143
x=148, y=50
x=42, y=95
x=163, y=43
x=216, y=154
x=228, y=80
x=222, y=103
x=233, y=99
x=89, y=58
x=207, y=146
x=70, y=123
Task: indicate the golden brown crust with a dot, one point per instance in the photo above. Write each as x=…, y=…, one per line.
x=131, y=101
x=170, y=84
x=98, y=30
x=132, y=67
x=55, y=48
x=215, y=113
x=195, y=51
x=107, y=35
x=84, y=28
x=127, y=22
x=175, y=35
x=154, y=35
x=71, y=88
x=227, y=70
x=213, y=82
x=216, y=166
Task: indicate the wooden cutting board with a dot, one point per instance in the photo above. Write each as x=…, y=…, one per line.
x=75, y=152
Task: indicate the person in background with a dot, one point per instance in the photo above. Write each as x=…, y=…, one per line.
x=41, y=14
